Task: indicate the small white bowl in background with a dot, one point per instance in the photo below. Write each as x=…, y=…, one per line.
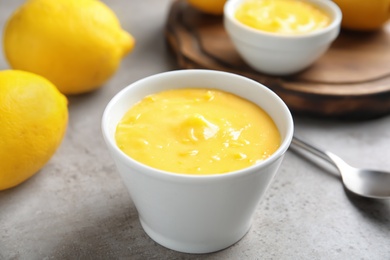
x=278, y=54
x=190, y=213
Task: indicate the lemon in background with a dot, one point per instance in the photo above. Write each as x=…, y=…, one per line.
x=76, y=44
x=364, y=15
x=214, y=7
x=33, y=120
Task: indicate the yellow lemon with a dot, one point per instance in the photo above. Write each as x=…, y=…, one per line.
x=364, y=15
x=76, y=44
x=33, y=119
x=214, y=7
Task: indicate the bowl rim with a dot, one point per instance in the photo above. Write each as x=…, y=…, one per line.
x=162, y=174
x=336, y=14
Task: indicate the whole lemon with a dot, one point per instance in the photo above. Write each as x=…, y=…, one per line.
x=33, y=119
x=364, y=15
x=76, y=44
x=214, y=7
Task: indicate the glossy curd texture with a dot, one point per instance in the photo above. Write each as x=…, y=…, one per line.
x=197, y=131
x=282, y=16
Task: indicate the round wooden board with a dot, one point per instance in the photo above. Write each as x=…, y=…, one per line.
x=352, y=79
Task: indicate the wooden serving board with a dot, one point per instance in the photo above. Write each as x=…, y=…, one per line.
x=352, y=79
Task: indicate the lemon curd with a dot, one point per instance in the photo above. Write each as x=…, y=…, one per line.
x=197, y=131
x=282, y=16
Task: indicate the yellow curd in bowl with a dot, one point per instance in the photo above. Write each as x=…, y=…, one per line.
x=197, y=131
x=282, y=16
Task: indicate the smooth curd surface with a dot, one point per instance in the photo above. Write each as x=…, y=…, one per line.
x=282, y=16
x=197, y=131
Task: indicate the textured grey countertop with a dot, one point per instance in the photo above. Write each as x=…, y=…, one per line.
x=77, y=207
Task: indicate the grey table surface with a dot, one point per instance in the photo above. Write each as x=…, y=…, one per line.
x=77, y=207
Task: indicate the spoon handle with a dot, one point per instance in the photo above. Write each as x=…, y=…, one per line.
x=298, y=143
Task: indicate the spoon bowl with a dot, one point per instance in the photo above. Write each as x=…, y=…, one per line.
x=363, y=182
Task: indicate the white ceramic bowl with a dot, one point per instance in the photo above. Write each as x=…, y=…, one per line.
x=189, y=213
x=277, y=54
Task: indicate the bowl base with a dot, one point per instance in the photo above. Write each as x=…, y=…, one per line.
x=193, y=248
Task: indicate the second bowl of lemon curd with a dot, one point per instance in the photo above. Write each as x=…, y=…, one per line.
x=197, y=150
x=281, y=37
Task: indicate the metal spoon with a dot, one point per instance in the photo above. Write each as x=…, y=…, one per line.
x=363, y=182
